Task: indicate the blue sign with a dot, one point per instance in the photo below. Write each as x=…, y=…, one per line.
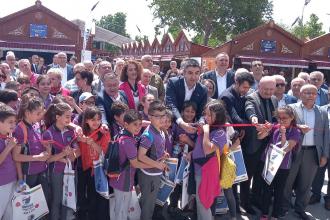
x=268, y=46
x=38, y=30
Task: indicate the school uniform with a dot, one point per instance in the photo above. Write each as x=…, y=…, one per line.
x=217, y=137
x=7, y=182
x=48, y=100
x=149, y=179
x=115, y=129
x=123, y=185
x=35, y=172
x=276, y=188
x=91, y=204
x=56, y=170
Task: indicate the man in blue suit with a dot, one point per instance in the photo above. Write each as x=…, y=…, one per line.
x=283, y=99
x=186, y=88
x=222, y=77
x=317, y=79
x=66, y=69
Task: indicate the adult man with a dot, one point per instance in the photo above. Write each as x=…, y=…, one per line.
x=314, y=150
x=119, y=67
x=35, y=62
x=71, y=84
x=221, y=76
x=25, y=69
x=104, y=67
x=145, y=80
x=156, y=70
x=186, y=88
x=317, y=78
x=11, y=60
x=304, y=76
x=259, y=107
x=257, y=69
x=109, y=94
x=54, y=64
x=89, y=66
x=156, y=80
x=66, y=69
x=296, y=85
x=173, y=71
x=282, y=99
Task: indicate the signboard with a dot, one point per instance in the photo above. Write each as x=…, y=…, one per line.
x=268, y=46
x=38, y=30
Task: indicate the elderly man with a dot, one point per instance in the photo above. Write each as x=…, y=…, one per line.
x=89, y=66
x=119, y=67
x=109, y=94
x=66, y=69
x=259, y=108
x=257, y=69
x=145, y=80
x=25, y=69
x=104, y=67
x=54, y=64
x=34, y=63
x=222, y=77
x=282, y=99
x=71, y=84
x=296, y=85
x=314, y=150
x=156, y=80
x=304, y=76
x=186, y=88
x=173, y=71
x=317, y=79
x=11, y=61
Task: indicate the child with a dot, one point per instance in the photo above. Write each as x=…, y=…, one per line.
x=44, y=86
x=92, y=205
x=285, y=135
x=86, y=99
x=145, y=102
x=152, y=152
x=118, y=110
x=32, y=153
x=213, y=137
x=8, y=172
x=64, y=147
x=167, y=128
x=123, y=185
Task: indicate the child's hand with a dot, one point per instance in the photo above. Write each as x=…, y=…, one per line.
x=206, y=128
x=104, y=128
x=67, y=150
x=78, y=131
x=235, y=145
x=162, y=166
x=89, y=141
x=304, y=128
x=188, y=156
x=183, y=138
x=282, y=130
x=69, y=100
x=43, y=156
x=11, y=142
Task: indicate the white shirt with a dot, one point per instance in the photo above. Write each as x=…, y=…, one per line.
x=221, y=82
x=309, y=119
x=64, y=74
x=187, y=97
x=281, y=102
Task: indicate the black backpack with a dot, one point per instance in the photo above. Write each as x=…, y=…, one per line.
x=111, y=165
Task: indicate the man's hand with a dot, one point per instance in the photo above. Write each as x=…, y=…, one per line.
x=188, y=127
x=323, y=161
x=304, y=128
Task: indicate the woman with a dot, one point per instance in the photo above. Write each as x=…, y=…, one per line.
x=84, y=81
x=210, y=88
x=55, y=76
x=131, y=76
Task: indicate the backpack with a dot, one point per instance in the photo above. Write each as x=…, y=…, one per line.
x=111, y=164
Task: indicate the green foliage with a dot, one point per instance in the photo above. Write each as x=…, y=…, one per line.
x=115, y=23
x=312, y=28
x=139, y=38
x=211, y=19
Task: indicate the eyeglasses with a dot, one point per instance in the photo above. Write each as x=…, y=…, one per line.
x=280, y=85
x=158, y=116
x=310, y=93
x=316, y=79
x=89, y=102
x=283, y=118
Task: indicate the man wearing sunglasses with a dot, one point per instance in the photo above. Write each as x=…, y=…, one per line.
x=283, y=99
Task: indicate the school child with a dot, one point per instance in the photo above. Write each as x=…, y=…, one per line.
x=167, y=128
x=8, y=172
x=64, y=148
x=32, y=153
x=285, y=135
x=86, y=99
x=92, y=205
x=44, y=86
x=145, y=102
x=118, y=110
x=212, y=138
x=152, y=152
x=123, y=185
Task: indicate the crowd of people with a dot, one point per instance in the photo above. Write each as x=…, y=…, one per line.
x=69, y=111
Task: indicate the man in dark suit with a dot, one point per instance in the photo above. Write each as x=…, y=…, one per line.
x=67, y=70
x=54, y=64
x=317, y=79
x=34, y=63
x=186, y=88
x=259, y=108
x=282, y=99
x=313, y=152
x=222, y=77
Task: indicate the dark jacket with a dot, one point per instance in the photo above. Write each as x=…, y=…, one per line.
x=212, y=75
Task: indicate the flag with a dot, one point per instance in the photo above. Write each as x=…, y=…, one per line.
x=307, y=2
x=95, y=5
x=138, y=29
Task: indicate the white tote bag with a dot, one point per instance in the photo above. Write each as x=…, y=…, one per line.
x=30, y=204
x=274, y=158
x=134, y=210
x=69, y=188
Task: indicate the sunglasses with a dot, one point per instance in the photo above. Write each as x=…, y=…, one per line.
x=280, y=85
